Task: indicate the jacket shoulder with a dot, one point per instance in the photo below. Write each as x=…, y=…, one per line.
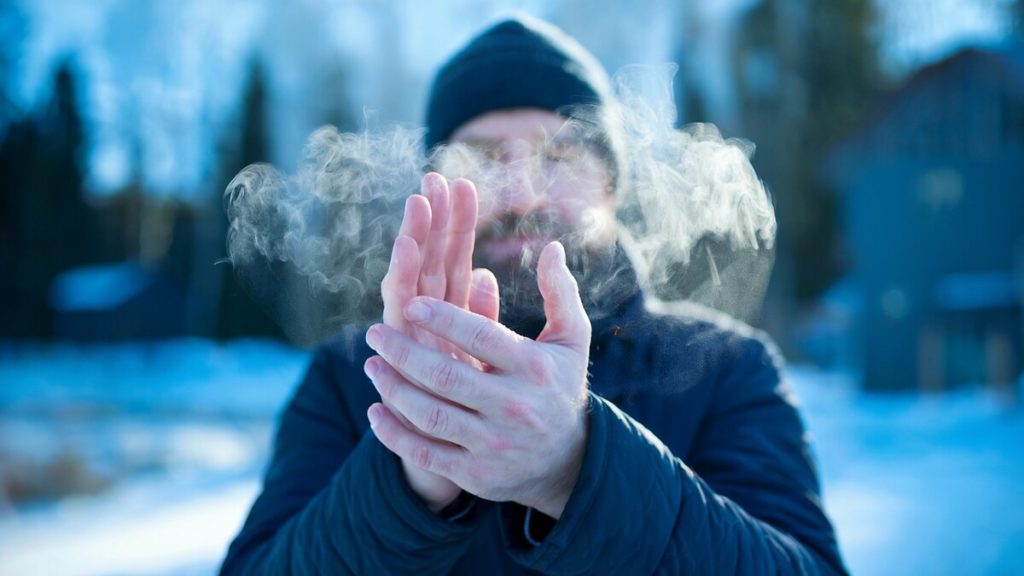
x=706, y=325
x=690, y=345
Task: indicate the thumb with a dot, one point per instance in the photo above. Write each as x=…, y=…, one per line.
x=483, y=294
x=567, y=321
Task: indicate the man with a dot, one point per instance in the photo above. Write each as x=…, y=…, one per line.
x=442, y=441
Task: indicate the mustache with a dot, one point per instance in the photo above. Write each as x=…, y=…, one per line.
x=540, y=223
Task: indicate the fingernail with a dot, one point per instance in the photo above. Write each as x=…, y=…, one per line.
x=371, y=367
x=373, y=337
x=373, y=414
x=417, y=311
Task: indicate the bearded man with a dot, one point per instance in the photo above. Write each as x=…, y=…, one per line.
x=532, y=415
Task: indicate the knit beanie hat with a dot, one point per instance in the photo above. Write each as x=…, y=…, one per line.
x=520, y=62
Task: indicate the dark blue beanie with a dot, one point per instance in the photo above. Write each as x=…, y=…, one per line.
x=520, y=62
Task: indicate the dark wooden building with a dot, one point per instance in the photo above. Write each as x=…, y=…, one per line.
x=932, y=196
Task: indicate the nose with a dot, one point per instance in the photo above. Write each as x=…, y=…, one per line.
x=522, y=191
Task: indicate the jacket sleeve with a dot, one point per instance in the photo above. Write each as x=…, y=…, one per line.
x=335, y=501
x=754, y=508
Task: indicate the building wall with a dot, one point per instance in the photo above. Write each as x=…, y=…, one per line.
x=911, y=221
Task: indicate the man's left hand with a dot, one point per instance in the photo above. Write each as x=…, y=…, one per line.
x=513, y=432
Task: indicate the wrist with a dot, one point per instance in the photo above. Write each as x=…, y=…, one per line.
x=460, y=508
x=551, y=502
x=435, y=492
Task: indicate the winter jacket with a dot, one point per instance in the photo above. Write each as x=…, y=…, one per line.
x=696, y=462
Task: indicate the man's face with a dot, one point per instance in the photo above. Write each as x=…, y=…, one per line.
x=538, y=179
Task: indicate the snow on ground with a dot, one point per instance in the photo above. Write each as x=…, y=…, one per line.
x=919, y=484
x=162, y=446
x=146, y=526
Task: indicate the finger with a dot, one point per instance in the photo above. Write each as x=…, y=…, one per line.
x=399, y=284
x=567, y=321
x=416, y=219
x=434, y=188
x=438, y=373
x=424, y=453
x=432, y=276
x=461, y=236
x=415, y=225
x=479, y=337
x=483, y=294
x=431, y=415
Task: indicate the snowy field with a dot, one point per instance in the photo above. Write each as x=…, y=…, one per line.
x=161, y=447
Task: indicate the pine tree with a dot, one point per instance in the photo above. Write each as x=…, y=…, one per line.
x=17, y=140
x=17, y=277
x=48, y=224
x=822, y=70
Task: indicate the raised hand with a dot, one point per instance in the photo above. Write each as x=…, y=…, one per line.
x=515, y=432
x=432, y=257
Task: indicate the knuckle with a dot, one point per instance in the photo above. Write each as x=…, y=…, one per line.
x=514, y=409
x=437, y=420
x=483, y=337
x=519, y=411
x=461, y=275
x=445, y=378
x=389, y=284
x=422, y=457
x=444, y=319
x=401, y=354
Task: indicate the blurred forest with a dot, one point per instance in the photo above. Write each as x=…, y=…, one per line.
x=133, y=404
x=806, y=74
x=50, y=227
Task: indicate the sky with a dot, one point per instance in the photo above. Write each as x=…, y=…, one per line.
x=916, y=32
x=162, y=79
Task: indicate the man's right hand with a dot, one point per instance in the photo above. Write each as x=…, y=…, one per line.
x=432, y=256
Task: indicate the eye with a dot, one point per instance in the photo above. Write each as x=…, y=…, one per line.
x=484, y=150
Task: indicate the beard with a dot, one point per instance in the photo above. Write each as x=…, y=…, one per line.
x=510, y=247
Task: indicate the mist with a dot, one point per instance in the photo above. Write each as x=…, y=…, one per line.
x=691, y=215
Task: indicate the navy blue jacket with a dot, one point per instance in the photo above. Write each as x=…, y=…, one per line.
x=696, y=463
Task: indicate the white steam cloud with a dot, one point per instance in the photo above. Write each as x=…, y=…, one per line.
x=693, y=217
